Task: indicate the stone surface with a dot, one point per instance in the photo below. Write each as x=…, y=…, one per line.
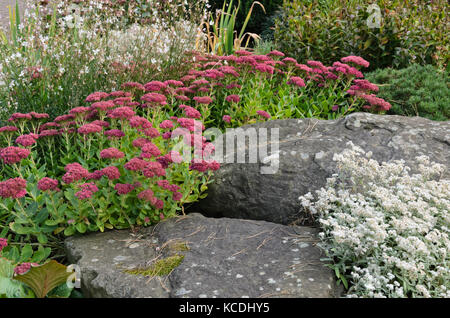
x=225, y=258
x=306, y=149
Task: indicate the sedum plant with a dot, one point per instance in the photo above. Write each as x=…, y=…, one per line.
x=386, y=230
x=101, y=166
x=245, y=87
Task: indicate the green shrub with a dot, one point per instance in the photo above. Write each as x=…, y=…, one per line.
x=415, y=91
x=410, y=31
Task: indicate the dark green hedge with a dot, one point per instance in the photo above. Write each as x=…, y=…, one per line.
x=415, y=91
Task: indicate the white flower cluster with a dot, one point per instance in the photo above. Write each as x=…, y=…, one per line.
x=391, y=228
x=136, y=41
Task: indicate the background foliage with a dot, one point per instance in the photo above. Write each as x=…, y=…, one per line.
x=260, y=23
x=411, y=31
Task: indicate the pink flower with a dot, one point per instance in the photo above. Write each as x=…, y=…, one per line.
x=151, y=132
x=79, y=110
x=355, y=60
x=163, y=184
x=233, y=98
x=275, y=53
x=39, y=115
x=263, y=113
x=89, y=129
x=123, y=188
x=8, y=129
x=74, y=172
x=104, y=105
x=229, y=70
x=114, y=133
x=316, y=65
x=233, y=85
x=84, y=194
x=200, y=82
x=64, y=118
x=203, y=165
x=135, y=164
x=147, y=195
x=90, y=186
x=133, y=85
x=174, y=188
x=138, y=121
x=190, y=123
x=304, y=67
x=139, y=142
x=3, y=243
x=376, y=102
x=182, y=98
x=173, y=83
x=289, y=60
x=154, y=86
x=264, y=68
x=111, y=172
x=95, y=97
x=155, y=98
x=27, y=140
x=16, y=116
x=122, y=100
x=101, y=123
x=177, y=196
x=150, y=150
x=50, y=124
x=119, y=94
x=190, y=111
x=297, y=81
x=159, y=205
x=13, y=188
x=364, y=85
x=48, y=184
x=203, y=100
x=154, y=168
x=22, y=268
x=124, y=112
x=96, y=175
x=243, y=52
x=174, y=156
x=226, y=118
x=166, y=124
x=110, y=153
x=12, y=155
x=49, y=132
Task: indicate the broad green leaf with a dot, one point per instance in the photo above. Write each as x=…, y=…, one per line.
x=27, y=252
x=44, y=278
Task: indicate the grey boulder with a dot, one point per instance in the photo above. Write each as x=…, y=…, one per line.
x=304, y=153
x=224, y=258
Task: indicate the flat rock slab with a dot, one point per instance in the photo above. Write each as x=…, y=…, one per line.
x=305, y=150
x=224, y=258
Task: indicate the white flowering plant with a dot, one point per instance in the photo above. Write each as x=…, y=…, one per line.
x=385, y=229
x=61, y=51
